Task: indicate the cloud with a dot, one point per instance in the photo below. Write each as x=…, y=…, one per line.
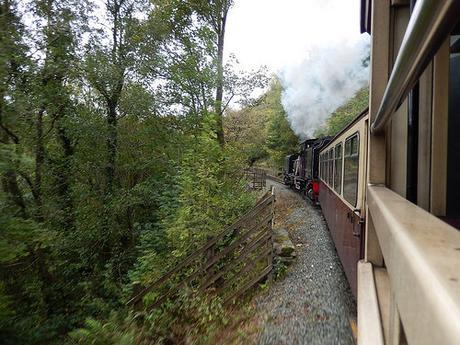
x=322, y=82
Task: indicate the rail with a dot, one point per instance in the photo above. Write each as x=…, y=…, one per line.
x=419, y=287
x=430, y=23
x=227, y=265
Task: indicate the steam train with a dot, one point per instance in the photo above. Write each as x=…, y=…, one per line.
x=300, y=170
x=329, y=171
x=388, y=184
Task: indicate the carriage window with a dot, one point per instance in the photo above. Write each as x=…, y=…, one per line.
x=453, y=147
x=321, y=172
x=331, y=167
x=338, y=169
x=322, y=167
x=351, y=166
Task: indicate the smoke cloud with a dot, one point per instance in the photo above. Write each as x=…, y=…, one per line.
x=322, y=82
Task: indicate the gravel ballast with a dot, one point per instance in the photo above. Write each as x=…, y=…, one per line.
x=312, y=303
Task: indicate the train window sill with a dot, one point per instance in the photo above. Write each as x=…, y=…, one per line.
x=422, y=255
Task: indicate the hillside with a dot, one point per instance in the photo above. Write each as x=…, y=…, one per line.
x=262, y=132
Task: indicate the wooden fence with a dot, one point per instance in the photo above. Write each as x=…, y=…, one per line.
x=257, y=177
x=228, y=265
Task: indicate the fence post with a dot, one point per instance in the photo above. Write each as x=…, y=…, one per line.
x=272, y=210
x=209, y=256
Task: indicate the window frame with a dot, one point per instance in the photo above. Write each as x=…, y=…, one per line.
x=351, y=155
x=321, y=159
x=340, y=168
x=331, y=167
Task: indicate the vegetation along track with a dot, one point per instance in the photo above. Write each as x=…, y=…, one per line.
x=313, y=303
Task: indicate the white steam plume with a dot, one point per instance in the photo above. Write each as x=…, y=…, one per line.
x=324, y=81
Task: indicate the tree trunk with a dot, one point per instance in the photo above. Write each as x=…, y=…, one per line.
x=10, y=184
x=112, y=143
x=65, y=177
x=220, y=79
x=39, y=161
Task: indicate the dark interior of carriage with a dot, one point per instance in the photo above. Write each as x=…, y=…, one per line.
x=453, y=151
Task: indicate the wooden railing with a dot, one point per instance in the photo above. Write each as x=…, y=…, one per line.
x=408, y=289
x=257, y=177
x=228, y=265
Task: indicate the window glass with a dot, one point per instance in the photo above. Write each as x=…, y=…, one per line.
x=338, y=169
x=331, y=167
x=322, y=167
x=453, y=147
x=351, y=169
x=354, y=145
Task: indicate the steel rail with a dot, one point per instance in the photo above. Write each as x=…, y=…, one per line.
x=430, y=24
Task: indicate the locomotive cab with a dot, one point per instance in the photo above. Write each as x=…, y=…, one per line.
x=288, y=169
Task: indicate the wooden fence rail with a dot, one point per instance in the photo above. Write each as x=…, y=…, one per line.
x=227, y=265
x=257, y=177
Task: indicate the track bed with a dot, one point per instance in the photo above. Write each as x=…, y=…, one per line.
x=313, y=303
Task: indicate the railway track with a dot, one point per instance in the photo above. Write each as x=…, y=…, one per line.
x=313, y=303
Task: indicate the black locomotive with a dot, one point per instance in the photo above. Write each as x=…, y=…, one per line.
x=301, y=169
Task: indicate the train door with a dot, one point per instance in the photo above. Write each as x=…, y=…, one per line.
x=352, y=193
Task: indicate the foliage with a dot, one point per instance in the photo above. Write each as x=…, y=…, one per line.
x=340, y=118
x=261, y=131
x=110, y=168
x=191, y=318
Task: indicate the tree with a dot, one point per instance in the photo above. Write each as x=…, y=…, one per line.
x=54, y=106
x=13, y=62
x=262, y=130
x=214, y=13
x=108, y=65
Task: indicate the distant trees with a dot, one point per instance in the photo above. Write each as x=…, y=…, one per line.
x=262, y=130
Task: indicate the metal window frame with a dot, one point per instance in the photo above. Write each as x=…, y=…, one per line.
x=351, y=155
x=341, y=166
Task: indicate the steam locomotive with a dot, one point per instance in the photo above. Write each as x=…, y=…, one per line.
x=301, y=170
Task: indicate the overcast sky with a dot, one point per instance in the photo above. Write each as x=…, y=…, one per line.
x=277, y=33
x=314, y=46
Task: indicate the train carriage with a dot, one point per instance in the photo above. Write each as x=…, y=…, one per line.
x=390, y=182
x=342, y=190
x=409, y=278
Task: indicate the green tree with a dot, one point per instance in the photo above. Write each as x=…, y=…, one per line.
x=262, y=130
x=110, y=60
